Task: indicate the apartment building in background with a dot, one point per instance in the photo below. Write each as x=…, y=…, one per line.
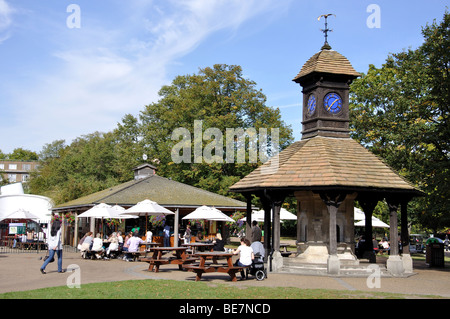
x=17, y=171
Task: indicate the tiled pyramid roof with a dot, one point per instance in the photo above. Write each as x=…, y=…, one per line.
x=327, y=61
x=165, y=192
x=323, y=162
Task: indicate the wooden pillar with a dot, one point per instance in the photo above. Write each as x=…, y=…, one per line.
x=406, y=256
x=175, y=227
x=394, y=264
x=75, y=235
x=368, y=203
x=276, y=225
x=248, y=216
x=404, y=226
x=393, y=223
x=267, y=225
x=273, y=201
x=333, y=200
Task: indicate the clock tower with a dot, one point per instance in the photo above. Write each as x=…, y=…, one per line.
x=325, y=79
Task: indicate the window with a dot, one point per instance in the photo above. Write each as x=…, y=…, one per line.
x=12, y=177
x=12, y=166
x=25, y=177
x=26, y=167
x=2, y=166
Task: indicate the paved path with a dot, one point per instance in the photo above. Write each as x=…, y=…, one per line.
x=20, y=271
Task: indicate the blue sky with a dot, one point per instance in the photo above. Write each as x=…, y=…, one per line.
x=58, y=82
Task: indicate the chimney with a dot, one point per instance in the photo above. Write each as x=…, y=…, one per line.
x=143, y=171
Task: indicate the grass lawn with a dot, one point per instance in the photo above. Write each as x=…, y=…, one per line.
x=170, y=289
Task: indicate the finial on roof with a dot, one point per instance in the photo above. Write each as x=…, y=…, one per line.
x=326, y=46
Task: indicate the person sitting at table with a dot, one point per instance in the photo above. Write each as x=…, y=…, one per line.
x=199, y=237
x=187, y=235
x=97, y=246
x=218, y=243
x=120, y=238
x=125, y=241
x=86, y=244
x=384, y=244
x=113, y=244
x=149, y=236
x=133, y=245
x=246, y=255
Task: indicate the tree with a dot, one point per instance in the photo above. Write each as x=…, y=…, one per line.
x=222, y=99
x=400, y=111
x=84, y=167
x=20, y=154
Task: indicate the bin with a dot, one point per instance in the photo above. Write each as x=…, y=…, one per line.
x=435, y=253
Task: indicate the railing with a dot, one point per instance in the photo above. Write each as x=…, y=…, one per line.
x=9, y=247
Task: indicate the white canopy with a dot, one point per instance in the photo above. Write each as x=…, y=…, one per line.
x=101, y=211
x=358, y=214
x=121, y=210
x=360, y=220
x=20, y=214
x=209, y=213
x=259, y=215
x=147, y=207
x=375, y=223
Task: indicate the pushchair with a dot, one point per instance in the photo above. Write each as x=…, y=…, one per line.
x=257, y=268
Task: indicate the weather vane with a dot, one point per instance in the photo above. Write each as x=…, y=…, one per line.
x=326, y=46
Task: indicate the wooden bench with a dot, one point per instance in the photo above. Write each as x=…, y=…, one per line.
x=222, y=268
x=135, y=255
x=156, y=263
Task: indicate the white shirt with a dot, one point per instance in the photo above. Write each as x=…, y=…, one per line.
x=149, y=237
x=55, y=241
x=246, y=255
x=98, y=244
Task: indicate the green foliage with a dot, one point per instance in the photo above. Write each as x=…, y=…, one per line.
x=221, y=98
x=401, y=112
x=19, y=154
x=84, y=167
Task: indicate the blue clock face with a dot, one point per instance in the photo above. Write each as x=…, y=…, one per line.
x=311, y=107
x=332, y=103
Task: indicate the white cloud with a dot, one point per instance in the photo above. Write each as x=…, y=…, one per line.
x=5, y=20
x=106, y=73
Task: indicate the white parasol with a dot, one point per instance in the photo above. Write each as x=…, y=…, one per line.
x=259, y=215
x=375, y=223
x=145, y=208
x=20, y=214
x=209, y=213
x=101, y=211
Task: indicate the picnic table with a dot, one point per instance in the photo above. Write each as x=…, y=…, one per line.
x=215, y=266
x=179, y=258
x=150, y=245
x=199, y=247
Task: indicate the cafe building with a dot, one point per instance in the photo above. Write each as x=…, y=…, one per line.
x=180, y=198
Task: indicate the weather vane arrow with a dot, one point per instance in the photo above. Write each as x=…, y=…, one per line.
x=326, y=46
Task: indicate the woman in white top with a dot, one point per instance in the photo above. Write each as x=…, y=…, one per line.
x=97, y=246
x=246, y=252
x=54, y=245
x=246, y=257
x=113, y=244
